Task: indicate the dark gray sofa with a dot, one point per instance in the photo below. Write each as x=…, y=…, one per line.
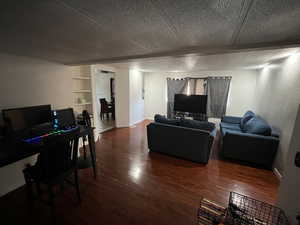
x=249, y=139
x=183, y=142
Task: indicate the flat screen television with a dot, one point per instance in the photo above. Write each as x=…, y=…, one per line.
x=190, y=103
x=18, y=119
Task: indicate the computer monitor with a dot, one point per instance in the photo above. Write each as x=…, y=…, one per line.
x=19, y=119
x=64, y=118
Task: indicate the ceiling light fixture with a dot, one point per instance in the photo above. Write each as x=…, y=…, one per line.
x=295, y=53
x=292, y=52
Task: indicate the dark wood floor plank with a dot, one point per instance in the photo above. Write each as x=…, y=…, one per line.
x=138, y=187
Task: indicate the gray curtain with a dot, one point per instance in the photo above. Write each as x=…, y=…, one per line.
x=175, y=86
x=217, y=89
x=196, y=86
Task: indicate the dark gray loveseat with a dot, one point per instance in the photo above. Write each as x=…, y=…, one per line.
x=174, y=139
x=248, y=138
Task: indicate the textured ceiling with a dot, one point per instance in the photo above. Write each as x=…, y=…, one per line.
x=194, y=62
x=89, y=31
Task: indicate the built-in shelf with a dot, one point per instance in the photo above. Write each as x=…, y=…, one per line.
x=82, y=91
x=82, y=104
x=82, y=88
x=81, y=78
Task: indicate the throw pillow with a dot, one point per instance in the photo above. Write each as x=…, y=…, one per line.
x=247, y=116
x=257, y=125
x=201, y=125
x=162, y=119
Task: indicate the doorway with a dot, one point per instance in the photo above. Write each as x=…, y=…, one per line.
x=105, y=97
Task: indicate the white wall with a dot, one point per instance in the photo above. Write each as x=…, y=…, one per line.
x=289, y=193
x=122, y=98
x=277, y=98
x=102, y=83
x=240, y=99
x=25, y=82
x=136, y=101
x=129, y=102
x=277, y=101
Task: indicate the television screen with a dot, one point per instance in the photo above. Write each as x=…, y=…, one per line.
x=190, y=103
x=22, y=118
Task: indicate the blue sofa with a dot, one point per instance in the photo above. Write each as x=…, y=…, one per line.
x=249, y=139
x=187, y=139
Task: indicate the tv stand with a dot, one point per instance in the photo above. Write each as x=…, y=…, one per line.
x=194, y=116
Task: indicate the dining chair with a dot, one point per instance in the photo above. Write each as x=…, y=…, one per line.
x=105, y=108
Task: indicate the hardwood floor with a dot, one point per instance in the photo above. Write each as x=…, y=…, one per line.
x=138, y=187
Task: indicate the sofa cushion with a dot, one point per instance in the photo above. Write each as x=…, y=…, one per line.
x=201, y=125
x=247, y=116
x=231, y=119
x=231, y=126
x=257, y=125
x=225, y=130
x=162, y=119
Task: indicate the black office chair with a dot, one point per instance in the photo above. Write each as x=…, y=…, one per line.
x=86, y=119
x=56, y=163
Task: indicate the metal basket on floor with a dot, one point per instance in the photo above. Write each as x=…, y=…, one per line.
x=243, y=210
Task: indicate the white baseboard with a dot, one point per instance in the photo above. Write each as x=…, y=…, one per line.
x=122, y=126
x=106, y=129
x=136, y=122
x=277, y=173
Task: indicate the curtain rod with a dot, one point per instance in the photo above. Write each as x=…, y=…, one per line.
x=202, y=78
x=169, y=78
x=213, y=77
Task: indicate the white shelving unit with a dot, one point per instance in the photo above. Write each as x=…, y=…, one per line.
x=81, y=78
x=82, y=104
x=82, y=89
x=82, y=92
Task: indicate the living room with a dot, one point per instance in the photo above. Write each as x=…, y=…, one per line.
x=145, y=171
x=269, y=81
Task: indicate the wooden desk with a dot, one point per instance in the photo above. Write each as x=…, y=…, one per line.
x=11, y=152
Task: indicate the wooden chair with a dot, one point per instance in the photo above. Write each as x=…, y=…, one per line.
x=105, y=108
x=56, y=163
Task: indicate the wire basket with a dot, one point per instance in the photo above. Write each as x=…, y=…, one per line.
x=210, y=213
x=243, y=210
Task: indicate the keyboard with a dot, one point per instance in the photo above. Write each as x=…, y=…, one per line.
x=39, y=138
